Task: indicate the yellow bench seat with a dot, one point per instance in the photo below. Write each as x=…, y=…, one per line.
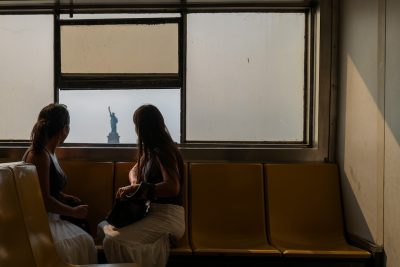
x=30, y=229
x=305, y=211
x=92, y=182
x=227, y=210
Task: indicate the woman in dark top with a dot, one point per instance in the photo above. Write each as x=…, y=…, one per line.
x=51, y=129
x=159, y=169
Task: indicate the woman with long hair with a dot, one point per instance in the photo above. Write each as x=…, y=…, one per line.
x=51, y=129
x=159, y=167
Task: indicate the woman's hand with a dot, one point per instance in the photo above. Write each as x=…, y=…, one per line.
x=68, y=198
x=80, y=211
x=126, y=190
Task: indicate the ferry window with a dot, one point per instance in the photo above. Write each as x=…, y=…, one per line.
x=246, y=77
x=233, y=77
x=90, y=123
x=26, y=77
x=119, y=63
x=234, y=81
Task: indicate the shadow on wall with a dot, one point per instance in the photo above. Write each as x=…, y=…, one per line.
x=356, y=157
x=356, y=211
x=358, y=117
x=368, y=115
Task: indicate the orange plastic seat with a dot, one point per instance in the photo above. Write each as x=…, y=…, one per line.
x=36, y=222
x=305, y=212
x=121, y=179
x=15, y=249
x=92, y=182
x=226, y=205
x=183, y=246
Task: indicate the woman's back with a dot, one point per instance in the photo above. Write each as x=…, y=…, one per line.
x=57, y=177
x=152, y=174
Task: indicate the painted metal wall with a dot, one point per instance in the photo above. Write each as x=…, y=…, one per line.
x=360, y=150
x=369, y=122
x=392, y=135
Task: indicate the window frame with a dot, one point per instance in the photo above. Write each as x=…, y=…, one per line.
x=324, y=25
x=115, y=81
x=78, y=81
x=308, y=87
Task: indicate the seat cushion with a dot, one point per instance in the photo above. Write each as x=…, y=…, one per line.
x=227, y=209
x=92, y=182
x=305, y=211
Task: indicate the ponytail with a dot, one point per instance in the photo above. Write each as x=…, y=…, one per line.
x=39, y=135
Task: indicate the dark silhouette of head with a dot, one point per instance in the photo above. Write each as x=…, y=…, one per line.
x=150, y=127
x=153, y=135
x=51, y=121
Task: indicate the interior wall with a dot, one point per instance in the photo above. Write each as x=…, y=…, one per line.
x=369, y=122
x=361, y=126
x=392, y=135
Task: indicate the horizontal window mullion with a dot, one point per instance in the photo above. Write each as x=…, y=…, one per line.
x=143, y=21
x=237, y=10
x=119, y=76
x=119, y=84
x=246, y=143
x=120, y=81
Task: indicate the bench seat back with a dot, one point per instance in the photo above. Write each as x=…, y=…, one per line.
x=305, y=211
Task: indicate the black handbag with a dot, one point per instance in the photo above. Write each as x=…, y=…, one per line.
x=128, y=210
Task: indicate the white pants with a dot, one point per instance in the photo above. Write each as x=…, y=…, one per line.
x=73, y=245
x=146, y=241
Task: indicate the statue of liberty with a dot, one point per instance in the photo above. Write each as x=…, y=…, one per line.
x=113, y=121
x=113, y=136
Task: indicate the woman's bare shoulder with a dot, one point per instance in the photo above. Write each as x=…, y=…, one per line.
x=38, y=157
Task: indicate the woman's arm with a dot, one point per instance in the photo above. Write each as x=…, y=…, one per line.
x=68, y=197
x=133, y=175
x=42, y=163
x=169, y=187
x=129, y=189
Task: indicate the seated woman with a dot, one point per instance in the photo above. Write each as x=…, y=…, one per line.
x=72, y=243
x=160, y=168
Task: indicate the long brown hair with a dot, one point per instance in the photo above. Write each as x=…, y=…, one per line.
x=51, y=120
x=153, y=135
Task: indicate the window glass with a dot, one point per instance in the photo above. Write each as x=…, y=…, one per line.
x=120, y=48
x=91, y=119
x=245, y=77
x=26, y=76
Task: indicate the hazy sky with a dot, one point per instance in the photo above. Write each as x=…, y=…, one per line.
x=90, y=119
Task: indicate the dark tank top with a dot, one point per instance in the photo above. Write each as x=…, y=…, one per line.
x=57, y=178
x=152, y=174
